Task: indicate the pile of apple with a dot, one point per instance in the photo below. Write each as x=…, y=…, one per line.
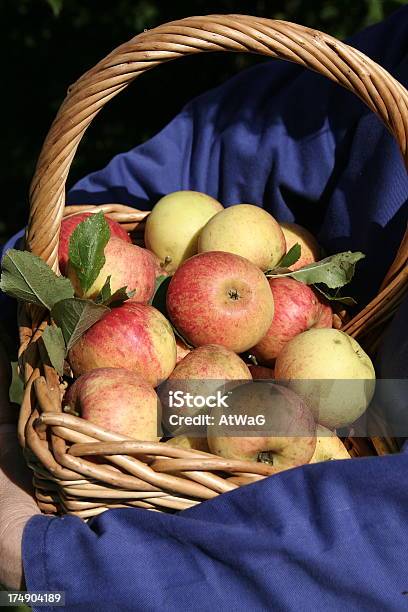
x=232, y=322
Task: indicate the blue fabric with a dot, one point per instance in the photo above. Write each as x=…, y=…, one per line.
x=323, y=537
x=13, y=242
x=288, y=140
x=326, y=537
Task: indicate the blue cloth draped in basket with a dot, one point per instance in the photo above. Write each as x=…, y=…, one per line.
x=331, y=536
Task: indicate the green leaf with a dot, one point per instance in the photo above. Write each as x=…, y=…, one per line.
x=27, y=277
x=108, y=298
x=335, y=271
x=120, y=296
x=86, y=249
x=54, y=343
x=75, y=316
x=291, y=257
x=342, y=299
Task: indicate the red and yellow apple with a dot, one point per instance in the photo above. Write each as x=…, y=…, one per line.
x=68, y=225
x=211, y=362
x=133, y=336
x=287, y=437
x=297, y=308
x=245, y=230
x=220, y=298
x=118, y=400
x=203, y=372
x=128, y=266
x=173, y=226
x=310, y=249
x=326, y=317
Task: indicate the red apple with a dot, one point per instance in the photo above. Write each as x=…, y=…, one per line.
x=67, y=227
x=310, y=249
x=117, y=400
x=133, y=336
x=203, y=372
x=261, y=373
x=213, y=362
x=220, y=298
x=128, y=266
x=297, y=308
x=326, y=317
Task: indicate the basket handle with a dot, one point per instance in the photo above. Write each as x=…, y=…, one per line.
x=312, y=49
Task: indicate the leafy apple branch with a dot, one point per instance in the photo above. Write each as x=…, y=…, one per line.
x=26, y=277
x=326, y=275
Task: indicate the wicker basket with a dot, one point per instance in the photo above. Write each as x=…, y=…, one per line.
x=152, y=475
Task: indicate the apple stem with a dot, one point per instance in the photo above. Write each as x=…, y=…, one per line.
x=265, y=457
x=233, y=294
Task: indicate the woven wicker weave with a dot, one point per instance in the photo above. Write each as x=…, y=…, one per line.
x=153, y=475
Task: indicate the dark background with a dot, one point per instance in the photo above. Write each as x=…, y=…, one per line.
x=48, y=44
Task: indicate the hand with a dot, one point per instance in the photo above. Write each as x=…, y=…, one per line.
x=16, y=507
x=16, y=502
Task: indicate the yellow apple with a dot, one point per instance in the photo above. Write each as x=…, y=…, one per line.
x=331, y=372
x=245, y=230
x=189, y=443
x=328, y=446
x=173, y=226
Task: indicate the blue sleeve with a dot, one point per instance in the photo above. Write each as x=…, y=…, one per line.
x=326, y=537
